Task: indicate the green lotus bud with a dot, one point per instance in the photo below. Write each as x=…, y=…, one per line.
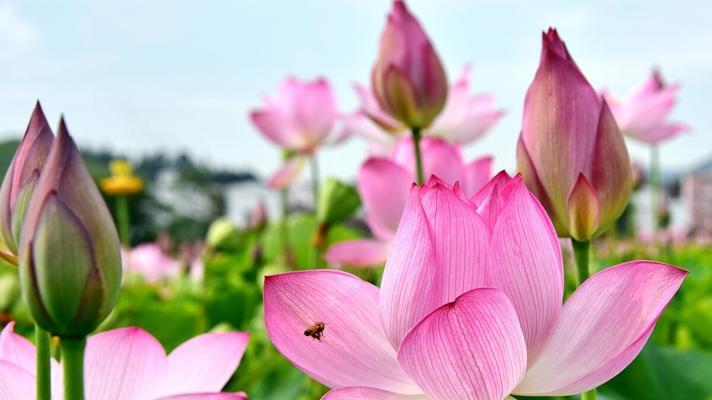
x=337, y=202
x=223, y=235
x=70, y=264
x=21, y=178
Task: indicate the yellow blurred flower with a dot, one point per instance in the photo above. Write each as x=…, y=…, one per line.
x=122, y=181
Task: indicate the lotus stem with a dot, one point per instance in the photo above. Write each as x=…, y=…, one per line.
x=655, y=184
x=122, y=216
x=73, y=363
x=44, y=381
x=420, y=176
x=582, y=254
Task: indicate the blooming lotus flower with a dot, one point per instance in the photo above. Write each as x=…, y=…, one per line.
x=464, y=119
x=21, y=178
x=408, y=79
x=70, y=262
x=149, y=261
x=130, y=364
x=643, y=113
x=384, y=184
x=570, y=152
x=470, y=307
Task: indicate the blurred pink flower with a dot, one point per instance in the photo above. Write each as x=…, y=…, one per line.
x=570, y=152
x=384, y=184
x=470, y=306
x=408, y=80
x=464, y=119
x=130, y=364
x=643, y=113
x=149, y=261
x=300, y=118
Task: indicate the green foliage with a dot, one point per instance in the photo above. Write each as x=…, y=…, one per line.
x=337, y=202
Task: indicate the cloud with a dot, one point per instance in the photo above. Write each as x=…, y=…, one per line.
x=15, y=30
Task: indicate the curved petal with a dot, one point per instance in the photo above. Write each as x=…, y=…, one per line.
x=426, y=266
x=204, y=363
x=357, y=253
x=353, y=349
x=383, y=186
x=16, y=350
x=359, y=124
x=525, y=263
x=123, y=363
x=476, y=174
x=272, y=124
x=367, y=393
x=287, y=174
x=472, y=348
x=16, y=382
x=603, y=326
x=207, y=396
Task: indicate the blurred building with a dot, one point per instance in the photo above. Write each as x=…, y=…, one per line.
x=697, y=193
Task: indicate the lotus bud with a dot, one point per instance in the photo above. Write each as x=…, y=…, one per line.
x=21, y=178
x=408, y=79
x=70, y=263
x=571, y=154
x=223, y=235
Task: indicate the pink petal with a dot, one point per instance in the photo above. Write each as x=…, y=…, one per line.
x=16, y=350
x=357, y=253
x=367, y=393
x=439, y=158
x=525, y=263
x=359, y=124
x=426, y=267
x=287, y=174
x=353, y=350
x=472, y=348
x=204, y=363
x=383, y=186
x=16, y=382
x=124, y=363
x=207, y=396
x=273, y=125
x=603, y=327
x=502, y=178
x=476, y=174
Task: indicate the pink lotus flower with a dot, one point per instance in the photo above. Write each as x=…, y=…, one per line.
x=464, y=119
x=643, y=113
x=384, y=184
x=470, y=306
x=570, y=152
x=130, y=364
x=149, y=261
x=300, y=119
x=408, y=79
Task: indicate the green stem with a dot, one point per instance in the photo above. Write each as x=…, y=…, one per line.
x=73, y=363
x=654, y=183
x=283, y=227
x=420, y=176
x=44, y=382
x=582, y=254
x=315, y=180
x=122, y=216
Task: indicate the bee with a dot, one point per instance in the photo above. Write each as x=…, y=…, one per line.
x=316, y=330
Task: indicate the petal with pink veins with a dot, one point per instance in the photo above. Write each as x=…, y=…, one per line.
x=525, y=263
x=207, y=396
x=124, y=363
x=16, y=350
x=602, y=328
x=472, y=348
x=357, y=253
x=204, y=363
x=426, y=268
x=353, y=349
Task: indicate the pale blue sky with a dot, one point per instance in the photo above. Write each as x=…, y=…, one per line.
x=139, y=75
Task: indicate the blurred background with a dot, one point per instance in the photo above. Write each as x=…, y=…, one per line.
x=168, y=86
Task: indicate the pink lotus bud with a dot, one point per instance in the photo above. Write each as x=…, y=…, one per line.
x=21, y=178
x=408, y=79
x=571, y=153
x=70, y=264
